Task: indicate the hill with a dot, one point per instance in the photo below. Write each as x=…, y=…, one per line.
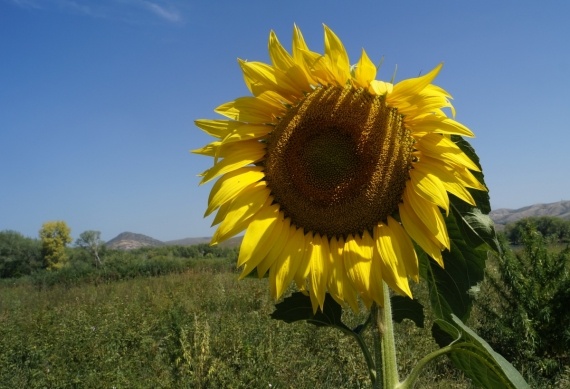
x=503, y=216
x=130, y=241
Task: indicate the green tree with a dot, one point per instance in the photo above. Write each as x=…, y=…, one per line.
x=91, y=241
x=549, y=226
x=19, y=255
x=55, y=236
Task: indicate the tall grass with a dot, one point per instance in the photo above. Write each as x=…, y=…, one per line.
x=198, y=329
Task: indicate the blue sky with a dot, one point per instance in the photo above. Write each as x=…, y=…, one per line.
x=98, y=98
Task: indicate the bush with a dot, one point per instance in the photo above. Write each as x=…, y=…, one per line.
x=19, y=255
x=523, y=306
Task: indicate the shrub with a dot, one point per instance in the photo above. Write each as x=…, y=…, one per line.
x=523, y=306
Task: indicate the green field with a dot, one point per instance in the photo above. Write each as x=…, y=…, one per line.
x=199, y=329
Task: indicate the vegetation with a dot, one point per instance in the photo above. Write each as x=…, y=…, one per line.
x=176, y=316
x=198, y=329
x=553, y=228
x=19, y=256
x=92, y=243
x=523, y=306
x=54, y=237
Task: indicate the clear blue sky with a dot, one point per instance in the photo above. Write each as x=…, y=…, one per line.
x=98, y=98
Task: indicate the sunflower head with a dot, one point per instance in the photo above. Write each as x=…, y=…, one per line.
x=332, y=174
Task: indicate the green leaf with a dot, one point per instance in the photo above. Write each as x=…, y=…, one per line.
x=450, y=287
x=472, y=355
x=406, y=308
x=472, y=234
x=297, y=307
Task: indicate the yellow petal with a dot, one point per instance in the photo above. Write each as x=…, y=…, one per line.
x=336, y=55
x=438, y=126
x=285, y=266
x=235, y=155
x=380, y=88
x=259, y=238
x=319, y=269
x=405, y=249
x=251, y=110
x=283, y=61
x=412, y=86
x=393, y=269
x=441, y=147
x=365, y=71
x=210, y=150
x=447, y=176
x=376, y=275
x=221, y=215
x=260, y=77
x=429, y=214
x=358, y=264
x=299, y=46
x=247, y=132
x=419, y=232
x=339, y=285
x=252, y=199
x=430, y=187
x=231, y=184
x=217, y=128
x=305, y=263
x=276, y=249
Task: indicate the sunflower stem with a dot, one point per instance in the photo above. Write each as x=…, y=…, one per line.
x=385, y=328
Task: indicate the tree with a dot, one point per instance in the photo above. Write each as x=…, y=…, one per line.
x=55, y=236
x=91, y=241
x=19, y=255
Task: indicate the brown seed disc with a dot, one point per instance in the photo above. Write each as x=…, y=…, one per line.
x=338, y=162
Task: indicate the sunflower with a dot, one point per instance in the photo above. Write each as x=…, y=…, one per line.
x=333, y=174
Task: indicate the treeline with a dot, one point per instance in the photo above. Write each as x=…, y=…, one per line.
x=554, y=229
x=21, y=256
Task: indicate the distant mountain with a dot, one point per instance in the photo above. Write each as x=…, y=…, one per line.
x=130, y=241
x=232, y=242
x=503, y=216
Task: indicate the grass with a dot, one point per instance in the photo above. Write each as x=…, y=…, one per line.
x=198, y=329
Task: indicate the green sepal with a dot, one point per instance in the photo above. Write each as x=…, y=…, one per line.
x=474, y=357
x=298, y=307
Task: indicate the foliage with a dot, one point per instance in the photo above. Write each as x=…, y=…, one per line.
x=55, y=236
x=199, y=329
x=91, y=242
x=550, y=227
x=523, y=306
x=19, y=255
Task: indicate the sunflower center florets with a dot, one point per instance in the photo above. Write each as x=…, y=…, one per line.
x=338, y=162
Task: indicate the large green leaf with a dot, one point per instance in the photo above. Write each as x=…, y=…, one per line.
x=450, y=287
x=472, y=355
x=472, y=235
x=405, y=308
x=298, y=307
